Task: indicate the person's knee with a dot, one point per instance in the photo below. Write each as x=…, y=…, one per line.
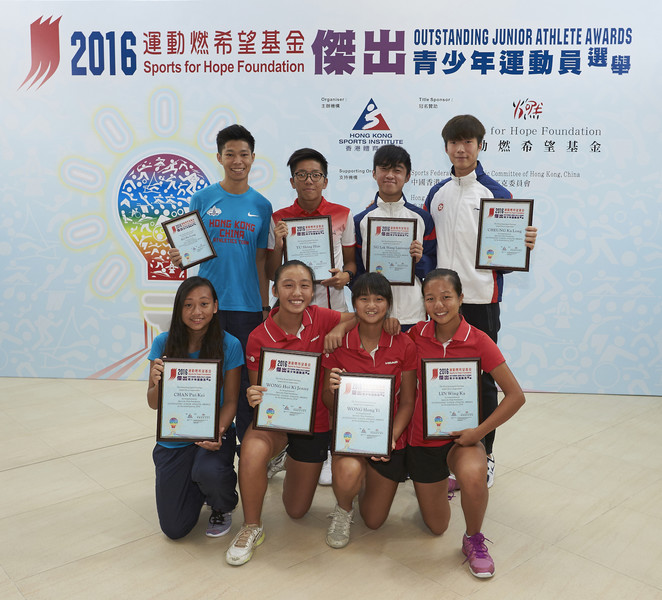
x=347, y=470
x=296, y=512
x=373, y=521
x=255, y=454
x=176, y=531
x=472, y=475
x=437, y=527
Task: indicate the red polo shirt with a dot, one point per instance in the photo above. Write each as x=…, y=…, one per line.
x=394, y=354
x=342, y=225
x=316, y=323
x=467, y=342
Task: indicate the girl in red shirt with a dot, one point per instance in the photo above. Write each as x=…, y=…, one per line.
x=368, y=348
x=293, y=325
x=448, y=335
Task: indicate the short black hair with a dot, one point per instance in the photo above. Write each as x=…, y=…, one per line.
x=389, y=156
x=307, y=154
x=234, y=132
x=372, y=283
x=463, y=127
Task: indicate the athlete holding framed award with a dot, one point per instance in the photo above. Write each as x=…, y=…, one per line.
x=360, y=461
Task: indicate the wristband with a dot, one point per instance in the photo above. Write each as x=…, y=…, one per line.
x=267, y=308
x=351, y=276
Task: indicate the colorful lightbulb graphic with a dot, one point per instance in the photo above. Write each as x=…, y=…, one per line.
x=270, y=415
x=438, y=420
x=347, y=436
x=173, y=424
x=155, y=189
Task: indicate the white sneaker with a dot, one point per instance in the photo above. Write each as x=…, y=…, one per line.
x=325, y=473
x=244, y=544
x=490, y=470
x=337, y=535
x=277, y=463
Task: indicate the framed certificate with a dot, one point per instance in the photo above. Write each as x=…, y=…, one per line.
x=189, y=236
x=310, y=240
x=292, y=382
x=388, y=249
x=363, y=415
x=189, y=395
x=451, y=396
x=501, y=230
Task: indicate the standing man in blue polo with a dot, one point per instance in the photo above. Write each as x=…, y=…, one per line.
x=237, y=219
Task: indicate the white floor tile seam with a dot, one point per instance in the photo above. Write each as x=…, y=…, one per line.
x=602, y=565
x=64, y=502
x=65, y=565
x=61, y=456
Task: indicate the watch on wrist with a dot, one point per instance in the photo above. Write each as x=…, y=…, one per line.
x=351, y=276
x=267, y=308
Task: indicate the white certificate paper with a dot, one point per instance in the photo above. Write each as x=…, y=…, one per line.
x=310, y=241
x=501, y=230
x=292, y=382
x=189, y=395
x=388, y=245
x=363, y=415
x=451, y=396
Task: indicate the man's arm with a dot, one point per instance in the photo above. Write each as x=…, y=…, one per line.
x=260, y=264
x=275, y=255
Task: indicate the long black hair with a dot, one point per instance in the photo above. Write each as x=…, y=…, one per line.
x=177, y=343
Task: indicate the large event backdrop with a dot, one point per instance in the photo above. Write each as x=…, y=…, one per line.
x=110, y=110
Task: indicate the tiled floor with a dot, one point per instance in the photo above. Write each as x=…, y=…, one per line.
x=575, y=512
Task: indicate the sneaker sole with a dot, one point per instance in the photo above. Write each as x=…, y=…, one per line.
x=217, y=535
x=237, y=562
x=480, y=575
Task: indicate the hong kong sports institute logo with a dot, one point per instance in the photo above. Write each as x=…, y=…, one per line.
x=45, y=50
x=371, y=119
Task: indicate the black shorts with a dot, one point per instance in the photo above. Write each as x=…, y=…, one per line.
x=309, y=449
x=394, y=469
x=428, y=464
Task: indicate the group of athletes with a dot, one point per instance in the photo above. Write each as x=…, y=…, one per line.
x=451, y=311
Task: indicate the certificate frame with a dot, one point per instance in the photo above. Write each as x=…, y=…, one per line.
x=501, y=231
x=453, y=402
x=185, y=383
x=282, y=370
x=315, y=248
x=371, y=393
x=385, y=255
x=187, y=233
